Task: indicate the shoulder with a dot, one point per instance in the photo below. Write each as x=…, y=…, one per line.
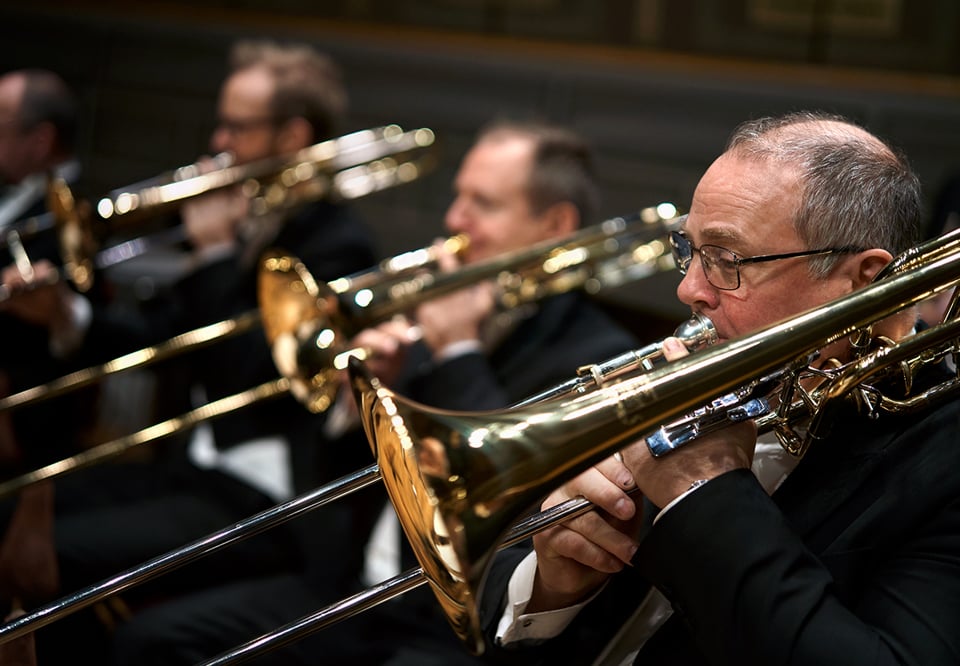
x=330, y=239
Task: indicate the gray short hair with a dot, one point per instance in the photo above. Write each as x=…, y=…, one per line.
x=857, y=190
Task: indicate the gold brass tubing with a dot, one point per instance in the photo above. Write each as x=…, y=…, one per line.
x=157, y=431
x=175, y=345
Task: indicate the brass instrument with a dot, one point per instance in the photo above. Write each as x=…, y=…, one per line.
x=384, y=170
x=458, y=480
x=455, y=502
x=344, y=168
x=313, y=172
x=691, y=333
x=282, y=307
x=27, y=228
x=695, y=333
x=294, y=307
x=74, y=236
x=596, y=257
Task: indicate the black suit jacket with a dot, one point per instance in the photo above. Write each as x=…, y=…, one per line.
x=55, y=428
x=329, y=240
x=566, y=332
x=854, y=560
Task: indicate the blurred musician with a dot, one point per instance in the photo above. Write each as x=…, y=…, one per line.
x=277, y=99
x=38, y=128
x=520, y=183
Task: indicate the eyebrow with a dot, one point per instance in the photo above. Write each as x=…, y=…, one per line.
x=715, y=236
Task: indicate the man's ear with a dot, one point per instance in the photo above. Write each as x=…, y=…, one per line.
x=295, y=134
x=867, y=265
x=562, y=218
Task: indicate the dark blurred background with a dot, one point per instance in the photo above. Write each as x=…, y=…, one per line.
x=656, y=85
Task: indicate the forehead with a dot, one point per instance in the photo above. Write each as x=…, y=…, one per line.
x=745, y=202
x=11, y=93
x=505, y=161
x=247, y=92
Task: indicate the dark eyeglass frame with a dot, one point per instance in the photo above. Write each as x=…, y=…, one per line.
x=243, y=125
x=684, y=257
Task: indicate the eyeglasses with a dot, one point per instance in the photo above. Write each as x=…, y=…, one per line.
x=721, y=266
x=239, y=126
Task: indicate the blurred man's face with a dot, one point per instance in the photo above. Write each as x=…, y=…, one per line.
x=18, y=154
x=246, y=126
x=491, y=205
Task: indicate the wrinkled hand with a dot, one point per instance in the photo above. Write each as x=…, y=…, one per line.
x=664, y=479
x=457, y=316
x=212, y=219
x=575, y=557
x=43, y=302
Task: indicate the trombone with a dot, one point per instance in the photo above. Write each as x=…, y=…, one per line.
x=320, y=170
x=607, y=254
x=455, y=502
x=411, y=159
x=306, y=322
x=345, y=168
x=517, y=455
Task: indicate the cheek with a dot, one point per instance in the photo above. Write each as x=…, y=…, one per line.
x=747, y=311
x=762, y=308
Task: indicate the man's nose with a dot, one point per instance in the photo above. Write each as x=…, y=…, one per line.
x=220, y=141
x=694, y=287
x=456, y=218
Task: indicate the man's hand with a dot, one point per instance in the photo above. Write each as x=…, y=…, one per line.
x=457, y=316
x=43, y=302
x=385, y=347
x=575, y=557
x=212, y=219
x=664, y=479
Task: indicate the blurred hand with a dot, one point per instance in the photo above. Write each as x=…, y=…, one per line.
x=386, y=346
x=212, y=219
x=43, y=302
x=457, y=316
x=383, y=349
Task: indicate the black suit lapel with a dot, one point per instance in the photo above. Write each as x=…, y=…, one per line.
x=512, y=357
x=830, y=484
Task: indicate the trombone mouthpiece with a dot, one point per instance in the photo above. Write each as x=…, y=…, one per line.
x=697, y=332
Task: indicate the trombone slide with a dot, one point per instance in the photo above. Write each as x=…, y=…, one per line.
x=459, y=479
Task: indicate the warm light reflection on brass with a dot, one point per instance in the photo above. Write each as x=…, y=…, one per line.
x=478, y=472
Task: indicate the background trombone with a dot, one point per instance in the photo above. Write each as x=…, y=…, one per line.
x=481, y=490
x=344, y=168
x=308, y=323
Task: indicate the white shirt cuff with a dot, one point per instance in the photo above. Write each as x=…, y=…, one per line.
x=455, y=349
x=679, y=498
x=64, y=340
x=515, y=625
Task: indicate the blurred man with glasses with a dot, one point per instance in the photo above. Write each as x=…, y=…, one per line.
x=277, y=99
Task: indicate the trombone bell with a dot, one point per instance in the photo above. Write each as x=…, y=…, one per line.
x=295, y=308
x=439, y=545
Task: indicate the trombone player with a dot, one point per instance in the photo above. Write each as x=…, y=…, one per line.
x=849, y=555
x=519, y=183
x=39, y=119
x=277, y=99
